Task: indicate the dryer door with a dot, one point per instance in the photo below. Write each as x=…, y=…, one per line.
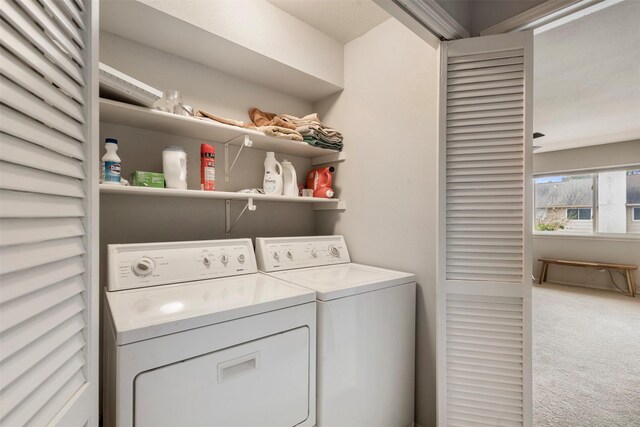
x=260, y=383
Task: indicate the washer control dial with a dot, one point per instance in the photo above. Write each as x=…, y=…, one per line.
x=334, y=251
x=276, y=255
x=241, y=258
x=289, y=254
x=224, y=258
x=206, y=261
x=314, y=253
x=143, y=266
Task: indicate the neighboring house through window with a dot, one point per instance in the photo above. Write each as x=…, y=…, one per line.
x=633, y=202
x=603, y=202
x=563, y=203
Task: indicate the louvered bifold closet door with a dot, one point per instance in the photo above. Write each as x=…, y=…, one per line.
x=47, y=303
x=484, y=268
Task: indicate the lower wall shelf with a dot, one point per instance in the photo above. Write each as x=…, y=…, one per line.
x=318, y=203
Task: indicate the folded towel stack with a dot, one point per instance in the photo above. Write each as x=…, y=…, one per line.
x=315, y=132
x=308, y=128
x=272, y=125
x=280, y=132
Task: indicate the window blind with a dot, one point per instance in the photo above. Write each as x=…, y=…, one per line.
x=485, y=192
x=484, y=267
x=45, y=295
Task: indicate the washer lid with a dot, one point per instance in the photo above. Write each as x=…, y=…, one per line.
x=338, y=281
x=144, y=313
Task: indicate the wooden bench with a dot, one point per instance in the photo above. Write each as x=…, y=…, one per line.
x=626, y=269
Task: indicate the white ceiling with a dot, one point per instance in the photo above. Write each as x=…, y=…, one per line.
x=587, y=79
x=343, y=20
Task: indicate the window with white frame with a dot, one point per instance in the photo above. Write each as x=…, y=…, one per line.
x=587, y=203
x=579, y=214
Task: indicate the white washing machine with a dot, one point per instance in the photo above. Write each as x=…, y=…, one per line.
x=195, y=336
x=366, y=330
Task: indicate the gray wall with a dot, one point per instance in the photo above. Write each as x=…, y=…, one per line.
x=606, y=249
x=604, y=156
x=201, y=86
x=622, y=251
x=387, y=113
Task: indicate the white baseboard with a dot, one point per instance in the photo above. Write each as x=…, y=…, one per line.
x=582, y=285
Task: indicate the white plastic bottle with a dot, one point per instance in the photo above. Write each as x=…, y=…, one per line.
x=272, y=183
x=290, y=185
x=111, y=162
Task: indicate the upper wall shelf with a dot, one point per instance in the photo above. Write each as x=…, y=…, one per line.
x=158, y=121
x=147, y=25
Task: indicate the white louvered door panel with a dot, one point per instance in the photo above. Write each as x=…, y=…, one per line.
x=484, y=264
x=48, y=213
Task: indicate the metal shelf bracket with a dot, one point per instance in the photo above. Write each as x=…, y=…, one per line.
x=229, y=166
x=228, y=224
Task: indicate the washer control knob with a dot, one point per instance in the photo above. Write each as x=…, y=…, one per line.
x=289, y=254
x=241, y=258
x=276, y=256
x=314, y=253
x=225, y=259
x=206, y=261
x=334, y=251
x=143, y=266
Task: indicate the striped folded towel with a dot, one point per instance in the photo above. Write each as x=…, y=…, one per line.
x=323, y=144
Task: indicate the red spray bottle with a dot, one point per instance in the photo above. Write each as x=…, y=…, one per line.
x=207, y=167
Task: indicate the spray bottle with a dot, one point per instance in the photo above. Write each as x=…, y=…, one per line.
x=207, y=167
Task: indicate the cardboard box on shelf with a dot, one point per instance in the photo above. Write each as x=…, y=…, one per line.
x=147, y=179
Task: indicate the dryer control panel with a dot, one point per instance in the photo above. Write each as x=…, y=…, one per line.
x=151, y=264
x=287, y=253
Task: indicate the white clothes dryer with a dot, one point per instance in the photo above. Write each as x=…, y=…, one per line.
x=365, y=330
x=195, y=336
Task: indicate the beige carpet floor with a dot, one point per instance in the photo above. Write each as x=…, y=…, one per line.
x=586, y=357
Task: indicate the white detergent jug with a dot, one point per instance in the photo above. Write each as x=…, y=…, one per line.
x=290, y=187
x=174, y=166
x=272, y=183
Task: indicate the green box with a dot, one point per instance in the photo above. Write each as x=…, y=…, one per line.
x=147, y=179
